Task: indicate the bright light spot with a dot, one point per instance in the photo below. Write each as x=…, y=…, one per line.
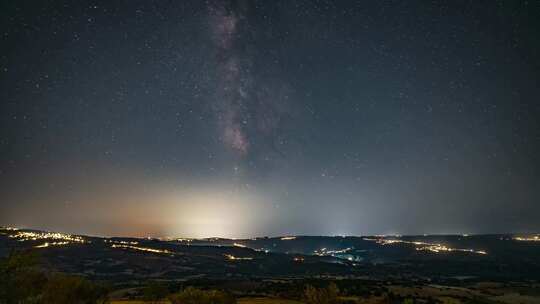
x=234, y=258
x=288, y=238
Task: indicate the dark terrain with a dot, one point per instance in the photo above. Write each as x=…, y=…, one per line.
x=449, y=258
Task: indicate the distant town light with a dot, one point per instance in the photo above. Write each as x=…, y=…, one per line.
x=424, y=246
x=234, y=258
x=534, y=238
x=145, y=249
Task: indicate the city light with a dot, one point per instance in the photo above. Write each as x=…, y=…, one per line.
x=423, y=246
x=47, y=244
x=234, y=258
x=23, y=236
x=326, y=252
x=535, y=238
x=9, y=228
x=441, y=248
x=121, y=242
x=145, y=249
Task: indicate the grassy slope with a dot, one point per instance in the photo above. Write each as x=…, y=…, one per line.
x=240, y=301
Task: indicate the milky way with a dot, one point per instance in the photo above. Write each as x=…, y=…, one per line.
x=234, y=75
x=246, y=106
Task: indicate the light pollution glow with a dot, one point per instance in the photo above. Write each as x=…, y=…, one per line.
x=216, y=212
x=142, y=209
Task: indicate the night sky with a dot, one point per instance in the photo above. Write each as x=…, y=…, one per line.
x=252, y=118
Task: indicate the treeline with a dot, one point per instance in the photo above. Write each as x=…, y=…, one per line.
x=23, y=281
x=156, y=293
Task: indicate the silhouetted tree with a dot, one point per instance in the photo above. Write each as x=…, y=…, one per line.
x=20, y=279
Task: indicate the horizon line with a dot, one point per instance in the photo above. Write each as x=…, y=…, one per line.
x=162, y=238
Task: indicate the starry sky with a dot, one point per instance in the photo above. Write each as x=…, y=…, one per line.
x=252, y=118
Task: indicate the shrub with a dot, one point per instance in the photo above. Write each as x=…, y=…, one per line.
x=155, y=292
x=21, y=281
x=192, y=295
x=328, y=295
x=62, y=289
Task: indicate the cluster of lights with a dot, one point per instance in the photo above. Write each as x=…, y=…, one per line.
x=321, y=251
x=59, y=239
x=260, y=250
x=239, y=245
x=234, y=258
x=121, y=242
x=47, y=244
x=298, y=259
x=441, y=248
x=9, y=228
x=535, y=238
x=326, y=252
x=145, y=249
x=423, y=246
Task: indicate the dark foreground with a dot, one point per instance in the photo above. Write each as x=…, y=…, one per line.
x=305, y=269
